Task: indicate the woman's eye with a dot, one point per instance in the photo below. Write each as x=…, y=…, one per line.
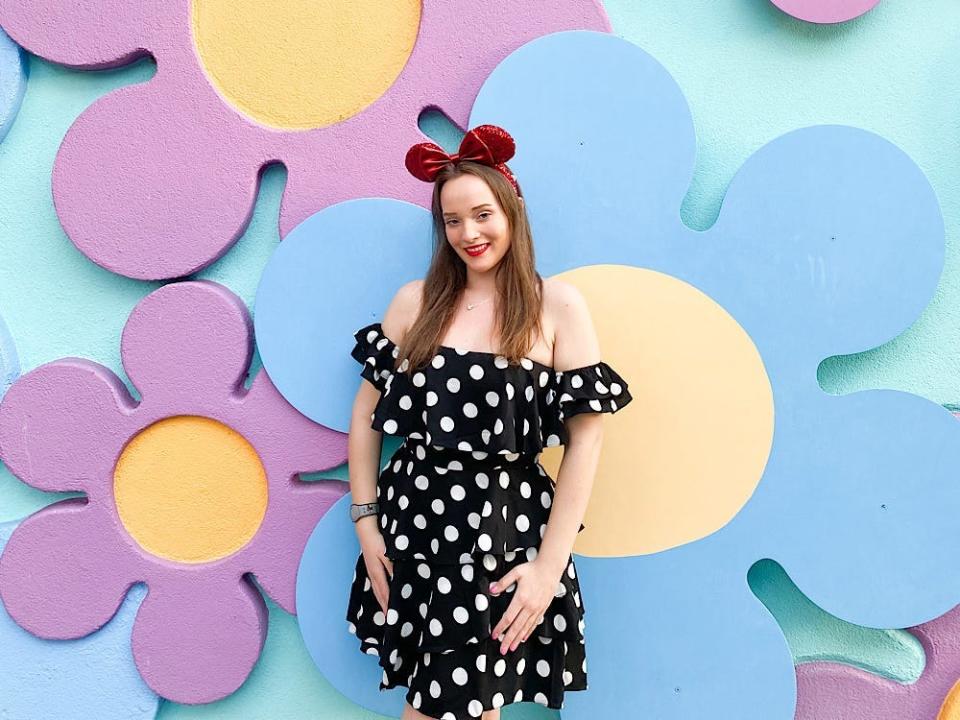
x=451, y=222
x=484, y=215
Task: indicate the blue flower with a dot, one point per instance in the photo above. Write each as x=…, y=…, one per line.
x=830, y=241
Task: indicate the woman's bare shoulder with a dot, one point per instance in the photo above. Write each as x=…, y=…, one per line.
x=575, y=340
x=403, y=310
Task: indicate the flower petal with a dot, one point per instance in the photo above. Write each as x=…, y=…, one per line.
x=172, y=196
x=64, y=573
x=198, y=636
x=192, y=337
x=61, y=425
x=81, y=34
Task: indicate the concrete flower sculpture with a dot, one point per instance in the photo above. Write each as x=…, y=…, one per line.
x=731, y=452
x=826, y=11
x=192, y=490
x=175, y=160
x=829, y=691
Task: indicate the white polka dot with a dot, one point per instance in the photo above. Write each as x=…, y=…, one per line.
x=438, y=361
x=419, y=379
x=560, y=622
x=504, y=479
x=406, y=630
x=476, y=372
x=481, y=602
x=485, y=436
x=466, y=570
x=420, y=521
x=492, y=399
x=531, y=554
x=403, y=502
x=482, y=663
x=518, y=697
x=443, y=585
x=484, y=542
x=460, y=614
x=526, y=426
x=417, y=700
x=432, y=398
x=446, y=423
x=392, y=616
x=457, y=492
x=453, y=385
x=616, y=388
x=487, y=509
x=482, y=481
x=595, y=405
x=436, y=628
x=379, y=618
x=543, y=668
x=540, y=698
x=497, y=701
x=500, y=667
x=475, y=708
x=522, y=523
x=489, y=562
x=423, y=570
x=528, y=392
x=421, y=482
x=464, y=445
x=435, y=545
x=576, y=381
x=567, y=677
x=459, y=676
x=390, y=427
x=437, y=506
x=545, y=499
x=544, y=376
x=470, y=410
x=525, y=489
x=526, y=363
x=552, y=440
x=509, y=388
x=401, y=542
x=521, y=664
x=451, y=533
x=571, y=572
x=405, y=402
x=473, y=520
x=406, y=591
x=498, y=427
x=434, y=689
x=500, y=362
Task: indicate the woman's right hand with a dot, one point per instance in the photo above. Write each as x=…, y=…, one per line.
x=375, y=558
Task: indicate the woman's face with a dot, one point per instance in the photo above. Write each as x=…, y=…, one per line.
x=476, y=226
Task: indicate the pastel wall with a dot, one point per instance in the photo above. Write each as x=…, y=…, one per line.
x=749, y=72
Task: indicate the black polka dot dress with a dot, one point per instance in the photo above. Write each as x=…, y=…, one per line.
x=462, y=501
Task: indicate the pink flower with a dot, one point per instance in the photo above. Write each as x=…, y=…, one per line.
x=193, y=490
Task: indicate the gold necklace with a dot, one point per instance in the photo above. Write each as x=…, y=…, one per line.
x=472, y=306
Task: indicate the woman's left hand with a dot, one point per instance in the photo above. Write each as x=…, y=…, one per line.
x=536, y=587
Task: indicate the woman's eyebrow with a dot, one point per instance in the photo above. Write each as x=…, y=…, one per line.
x=471, y=209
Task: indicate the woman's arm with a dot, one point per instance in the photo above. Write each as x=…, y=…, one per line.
x=364, y=446
x=575, y=346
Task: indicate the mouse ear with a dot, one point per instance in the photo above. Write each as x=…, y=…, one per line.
x=489, y=144
x=424, y=161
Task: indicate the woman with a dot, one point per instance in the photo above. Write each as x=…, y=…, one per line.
x=466, y=588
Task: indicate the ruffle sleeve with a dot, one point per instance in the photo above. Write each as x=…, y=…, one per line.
x=593, y=388
x=376, y=353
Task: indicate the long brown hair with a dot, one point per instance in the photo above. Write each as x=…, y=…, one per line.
x=519, y=287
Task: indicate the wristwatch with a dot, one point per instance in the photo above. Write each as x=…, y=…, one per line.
x=362, y=510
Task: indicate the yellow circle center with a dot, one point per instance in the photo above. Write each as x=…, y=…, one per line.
x=684, y=457
x=950, y=710
x=190, y=489
x=301, y=64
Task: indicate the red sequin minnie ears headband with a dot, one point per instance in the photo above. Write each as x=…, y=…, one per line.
x=485, y=144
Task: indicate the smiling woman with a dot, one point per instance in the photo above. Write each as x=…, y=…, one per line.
x=465, y=587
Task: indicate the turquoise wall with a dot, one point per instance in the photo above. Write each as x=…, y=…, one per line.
x=749, y=72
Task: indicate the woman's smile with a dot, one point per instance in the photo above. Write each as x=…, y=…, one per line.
x=477, y=250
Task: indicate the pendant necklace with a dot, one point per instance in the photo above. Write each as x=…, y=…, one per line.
x=472, y=306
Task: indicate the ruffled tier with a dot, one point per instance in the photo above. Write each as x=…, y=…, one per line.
x=474, y=401
x=435, y=636
x=448, y=505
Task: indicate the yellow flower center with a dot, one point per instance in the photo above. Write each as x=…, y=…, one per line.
x=685, y=456
x=301, y=64
x=190, y=489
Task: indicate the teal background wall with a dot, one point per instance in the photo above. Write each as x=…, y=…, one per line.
x=750, y=74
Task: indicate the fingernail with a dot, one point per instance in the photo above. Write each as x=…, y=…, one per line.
x=494, y=587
